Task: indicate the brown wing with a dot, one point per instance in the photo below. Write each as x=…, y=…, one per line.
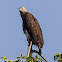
x=33, y=27
x=36, y=22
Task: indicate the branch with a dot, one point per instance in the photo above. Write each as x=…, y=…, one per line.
x=32, y=51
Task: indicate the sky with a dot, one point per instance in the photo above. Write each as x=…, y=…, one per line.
x=13, y=42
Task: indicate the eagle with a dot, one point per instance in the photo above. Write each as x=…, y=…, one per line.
x=31, y=28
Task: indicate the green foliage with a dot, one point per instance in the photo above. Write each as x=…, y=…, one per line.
x=31, y=58
x=58, y=57
x=4, y=58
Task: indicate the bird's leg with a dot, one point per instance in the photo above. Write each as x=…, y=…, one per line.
x=31, y=49
x=30, y=44
x=40, y=50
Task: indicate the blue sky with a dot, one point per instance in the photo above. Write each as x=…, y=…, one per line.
x=12, y=39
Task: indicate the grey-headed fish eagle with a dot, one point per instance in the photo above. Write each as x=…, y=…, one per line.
x=31, y=28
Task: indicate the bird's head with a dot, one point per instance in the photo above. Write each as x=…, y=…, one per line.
x=22, y=9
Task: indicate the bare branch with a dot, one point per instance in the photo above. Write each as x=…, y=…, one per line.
x=39, y=54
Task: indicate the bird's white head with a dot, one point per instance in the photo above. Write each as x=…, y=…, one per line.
x=22, y=9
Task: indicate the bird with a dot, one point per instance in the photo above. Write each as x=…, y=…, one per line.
x=31, y=28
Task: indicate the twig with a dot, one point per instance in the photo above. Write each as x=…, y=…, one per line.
x=39, y=54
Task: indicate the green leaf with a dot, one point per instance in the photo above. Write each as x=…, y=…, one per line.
x=7, y=61
x=36, y=57
x=39, y=58
x=21, y=55
x=4, y=58
x=61, y=55
x=58, y=57
x=17, y=57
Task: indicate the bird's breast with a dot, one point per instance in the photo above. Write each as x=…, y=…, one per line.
x=26, y=33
